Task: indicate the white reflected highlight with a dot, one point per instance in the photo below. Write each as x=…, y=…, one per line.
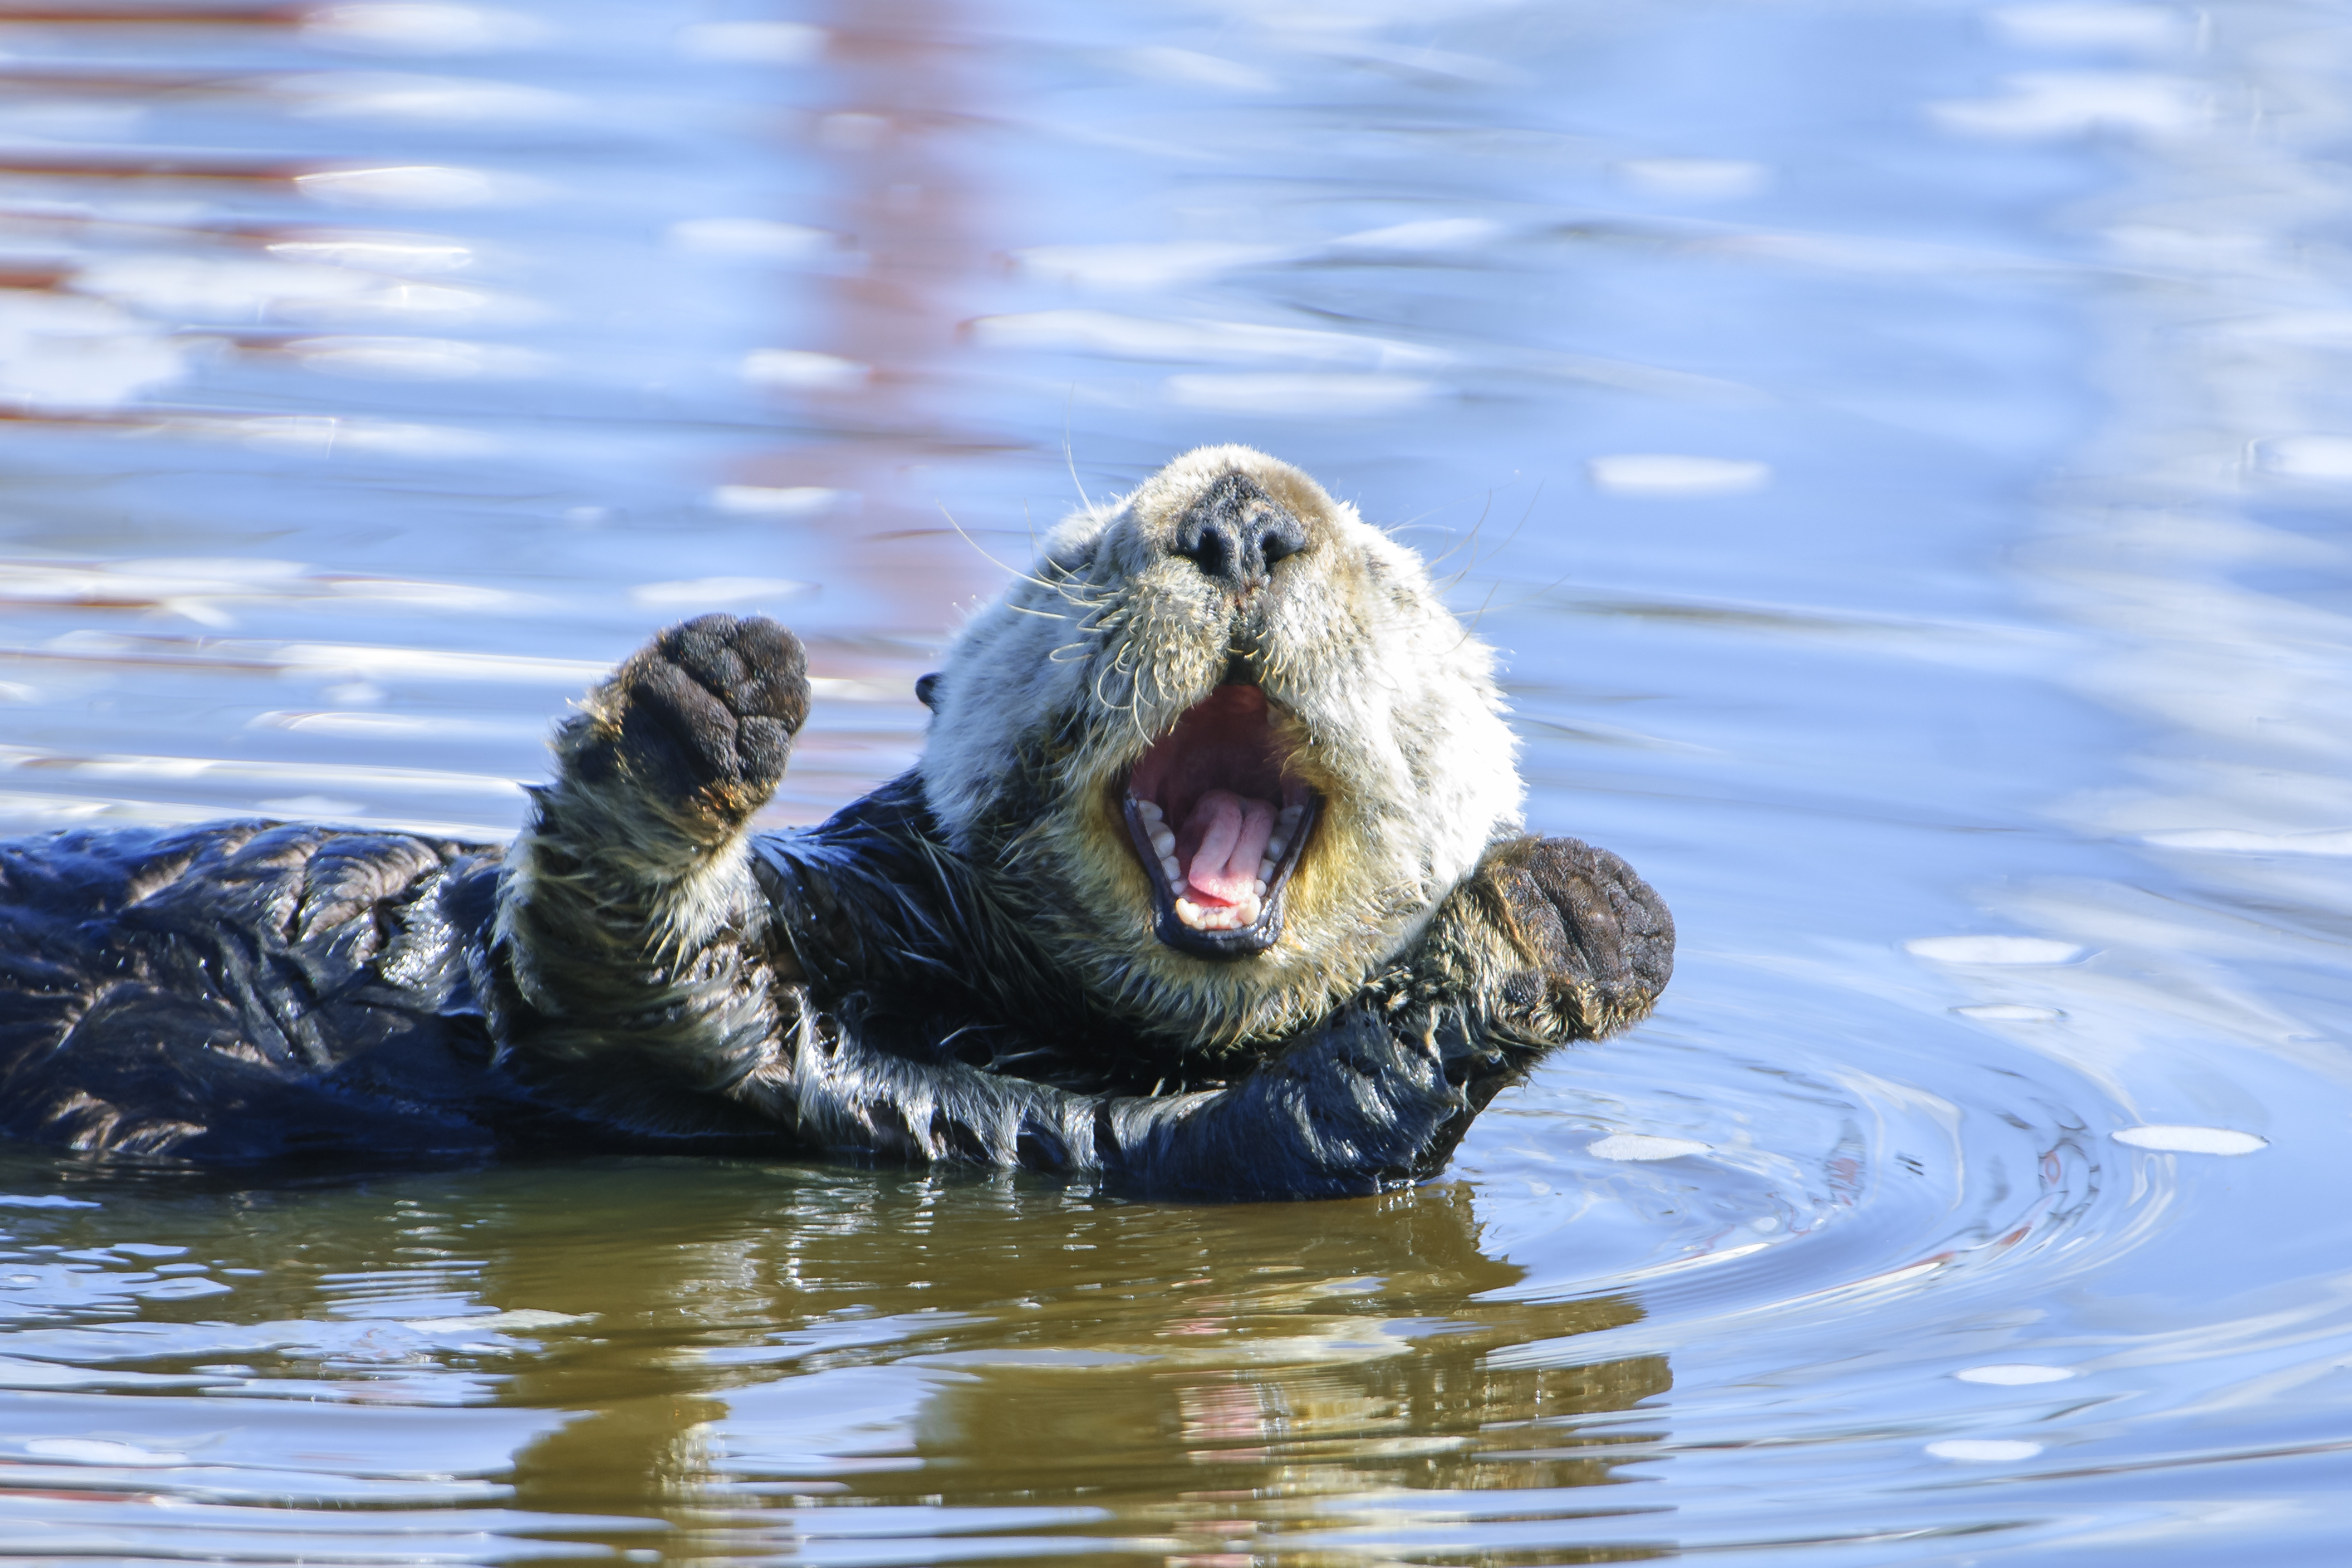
x=1152, y=267
x=1662, y=474
x=1149, y=338
x=2316, y=329
x=132, y=768
x=1300, y=396
x=381, y=252
x=401, y=725
x=2014, y=1374
x=478, y=1323
x=1425, y=237
x=436, y=664
x=716, y=592
x=1189, y=67
x=215, y=288
x=752, y=239
x=2325, y=458
x=1644, y=1146
x=1993, y=950
x=2144, y=28
x=410, y=185
x=2011, y=1012
x=323, y=436
x=415, y=359
x=2178, y=1140
x=356, y=95
x=60, y=352
x=175, y=582
x=2075, y=103
x=1984, y=1450
x=313, y=806
x=1144, y=266
x=777, y=501
x=2241, y=841
x=803, y=369
x=1696, y=179
x=753, y=43
x=99, y=1451
x=346, y=660
x=243, y=291
x=421, y=29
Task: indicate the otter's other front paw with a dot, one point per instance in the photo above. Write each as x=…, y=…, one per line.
x=703, y=715
x=1599, y=941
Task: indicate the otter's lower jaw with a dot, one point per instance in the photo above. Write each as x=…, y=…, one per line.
x=1212, y=932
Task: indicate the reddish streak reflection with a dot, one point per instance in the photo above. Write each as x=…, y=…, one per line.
x=903, y=90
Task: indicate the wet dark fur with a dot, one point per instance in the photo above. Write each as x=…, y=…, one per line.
x=637, y=972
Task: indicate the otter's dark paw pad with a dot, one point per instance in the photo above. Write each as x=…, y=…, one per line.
x=1599, y=943
x=704, y=714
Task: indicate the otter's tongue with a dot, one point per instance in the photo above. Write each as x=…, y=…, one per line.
x=1220, y=845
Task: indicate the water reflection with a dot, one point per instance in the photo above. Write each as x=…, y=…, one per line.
x=882, y=133
x=782, y=1341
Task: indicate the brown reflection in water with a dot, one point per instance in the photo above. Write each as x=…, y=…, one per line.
x=905, y=94
x=746, y=1347
x=1201, y=1374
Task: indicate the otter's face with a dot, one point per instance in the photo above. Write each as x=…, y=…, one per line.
x=1225, y=749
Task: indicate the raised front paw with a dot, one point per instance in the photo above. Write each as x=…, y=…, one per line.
x=701, y=717
x=1597, y=940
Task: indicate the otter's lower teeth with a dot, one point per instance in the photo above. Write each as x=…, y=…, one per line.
x=1175, y=873
x=1163, y=843
x=1220, y=916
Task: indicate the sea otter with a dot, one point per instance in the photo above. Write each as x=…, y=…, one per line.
x=1211, y=880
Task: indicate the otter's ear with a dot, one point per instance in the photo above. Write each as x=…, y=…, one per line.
x=926, y=690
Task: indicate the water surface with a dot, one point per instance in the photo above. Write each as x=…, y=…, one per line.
x=1901, y=451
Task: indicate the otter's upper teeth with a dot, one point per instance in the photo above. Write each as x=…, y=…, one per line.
x=1175, y=873
x=1163, y=843
x=1264, y=872
x=1148, y=810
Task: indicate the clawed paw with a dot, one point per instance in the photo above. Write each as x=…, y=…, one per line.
x=1598, y=941
x=703, y=715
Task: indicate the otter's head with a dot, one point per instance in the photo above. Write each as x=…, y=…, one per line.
x=1224, y=749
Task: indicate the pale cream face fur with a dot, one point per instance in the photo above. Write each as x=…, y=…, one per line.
x=1052, y=691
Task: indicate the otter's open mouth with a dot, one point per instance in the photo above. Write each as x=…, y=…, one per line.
x=1219, y=824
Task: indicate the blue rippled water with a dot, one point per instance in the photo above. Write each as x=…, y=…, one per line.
x=1902, y=451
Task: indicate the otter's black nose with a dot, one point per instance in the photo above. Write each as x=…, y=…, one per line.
x=1237, y=531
